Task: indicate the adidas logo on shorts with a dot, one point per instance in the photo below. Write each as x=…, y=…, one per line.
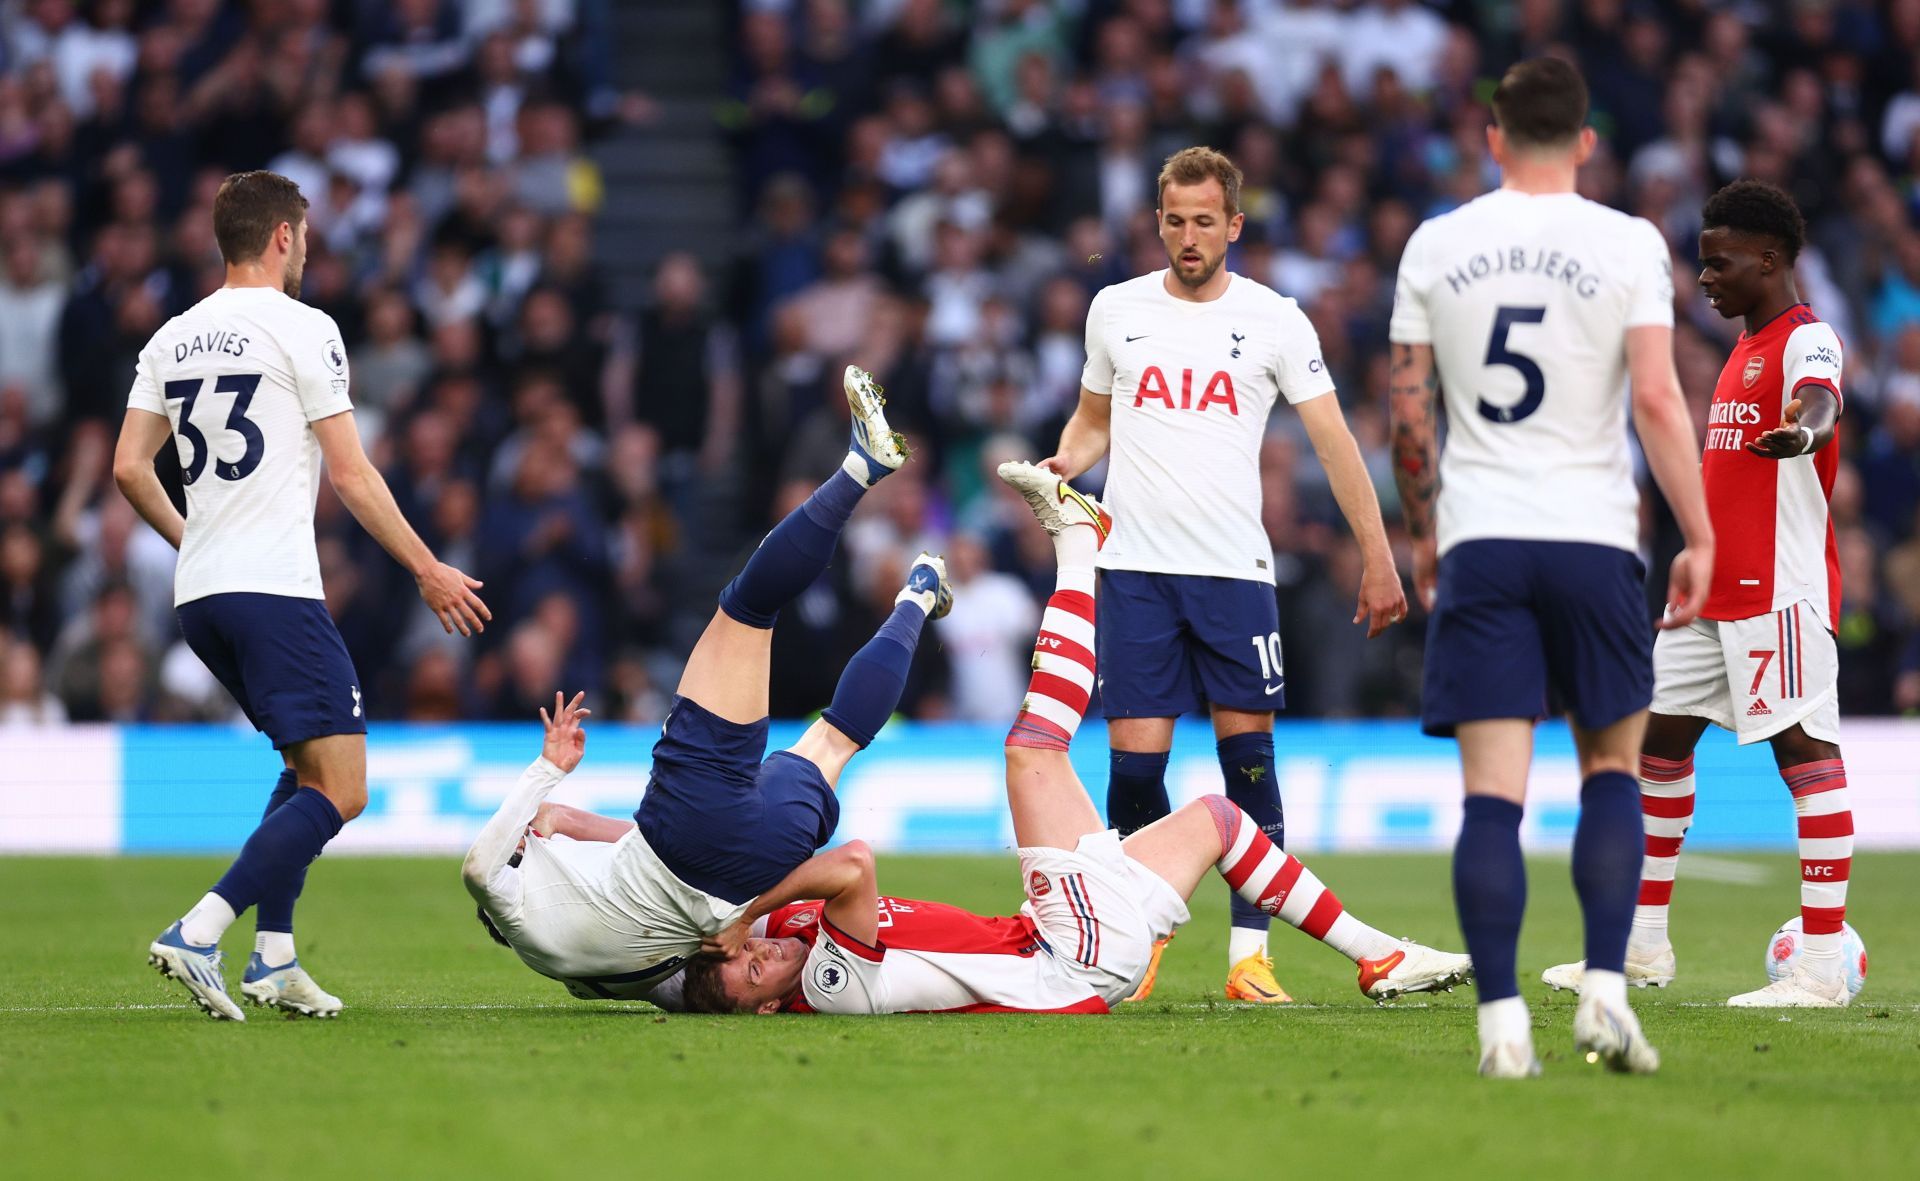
x=1758, y=709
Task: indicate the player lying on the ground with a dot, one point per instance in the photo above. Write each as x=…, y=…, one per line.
x=620, y=908
x=1095, y=903
x=1761, y=659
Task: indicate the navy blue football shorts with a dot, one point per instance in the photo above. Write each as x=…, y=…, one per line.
x=727, y=818
x=1514, y=618
x=283, y=661
x=1169, y=644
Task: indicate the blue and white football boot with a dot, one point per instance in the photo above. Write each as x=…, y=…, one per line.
x=877, y=448
x=287, y=988
x=927, y=582
x=199, y=969
x=1610, y=1033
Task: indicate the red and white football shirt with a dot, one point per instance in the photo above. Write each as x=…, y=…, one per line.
x=1774, y=542
x=930, y=958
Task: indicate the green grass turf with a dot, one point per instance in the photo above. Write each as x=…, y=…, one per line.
x=453, y=1060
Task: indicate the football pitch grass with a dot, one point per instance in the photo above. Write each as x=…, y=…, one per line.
x=453, y=1060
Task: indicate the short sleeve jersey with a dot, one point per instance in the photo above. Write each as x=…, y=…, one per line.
x=1192, y=385
x=1773, y=541
x=929, y=958
x=1526, y=301
x=241, y=376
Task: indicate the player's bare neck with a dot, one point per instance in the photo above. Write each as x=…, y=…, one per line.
x=1772, y=306
x=1539, y=183
x=253, y=274
x=1215, y=287
x=1539, y=175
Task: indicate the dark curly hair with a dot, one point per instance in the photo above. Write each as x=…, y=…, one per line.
x=701, y=990
x=1756, y=207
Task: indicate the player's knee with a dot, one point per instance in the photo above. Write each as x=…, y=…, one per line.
x=1604, y=762
x=1796, y=746
x=1222, y=812
x=859, y=854
x=347, y=799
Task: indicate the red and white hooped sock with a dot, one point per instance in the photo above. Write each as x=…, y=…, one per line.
x=1825, y=815
x=1274, y=880
x=1666, y=806
x=1063, y=652
x=1062, y=673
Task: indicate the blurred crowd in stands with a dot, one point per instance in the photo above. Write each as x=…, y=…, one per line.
x=932, y=190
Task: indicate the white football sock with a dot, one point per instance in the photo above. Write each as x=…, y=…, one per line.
x=207, y=921
x=1243, y=942
x=1503, y=1021
x=275, y=948
x=1074, y=548
x=1608, y=987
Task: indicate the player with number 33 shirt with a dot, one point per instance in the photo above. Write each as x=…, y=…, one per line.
x=250, y=389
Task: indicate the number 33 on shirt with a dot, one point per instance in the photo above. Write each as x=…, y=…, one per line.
x=240, y=377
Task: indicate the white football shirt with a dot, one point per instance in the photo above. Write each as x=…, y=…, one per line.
x=607, y=919
x=1192, y=385
x=1526, y=300
x=241, y=375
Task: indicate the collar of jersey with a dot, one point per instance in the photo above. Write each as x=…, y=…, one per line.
x=1779, y=316
x=1192, y=307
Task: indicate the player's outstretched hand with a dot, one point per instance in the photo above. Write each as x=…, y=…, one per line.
x=449, y=594
x=1785, y=441
x=1687, y=586
x=1426, y=571
x=727, y=943
x=566, y=740
x=1382, y=602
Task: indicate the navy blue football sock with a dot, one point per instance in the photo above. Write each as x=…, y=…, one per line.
x=1246, y=763
x=279, y=850
x=869, y=690
x=1607, y=846
x=1136, y=789
x=1490, y=890
x=274, y=911
x=793, y=555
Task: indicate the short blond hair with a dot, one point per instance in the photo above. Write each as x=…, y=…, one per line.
x=1197, y=165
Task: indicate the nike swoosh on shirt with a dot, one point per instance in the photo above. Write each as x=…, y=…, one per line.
x=1142, y=336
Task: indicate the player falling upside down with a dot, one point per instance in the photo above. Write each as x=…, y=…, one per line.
x=250, y=385
x=1761, y=659
x=1096, y=904
x=610, y=908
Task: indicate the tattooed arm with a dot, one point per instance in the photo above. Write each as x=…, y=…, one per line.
x=1416, y=466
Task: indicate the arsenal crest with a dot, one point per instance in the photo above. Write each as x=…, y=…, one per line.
x=1038, y=885
x=1754, y=367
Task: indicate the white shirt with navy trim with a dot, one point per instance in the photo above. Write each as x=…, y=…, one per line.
x=1526, y=300
x=1192, y=385
x=241, y=376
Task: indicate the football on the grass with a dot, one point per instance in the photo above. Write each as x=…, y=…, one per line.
x=1783, y=950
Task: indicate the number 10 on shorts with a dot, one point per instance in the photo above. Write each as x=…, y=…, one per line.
x=1267, y=647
